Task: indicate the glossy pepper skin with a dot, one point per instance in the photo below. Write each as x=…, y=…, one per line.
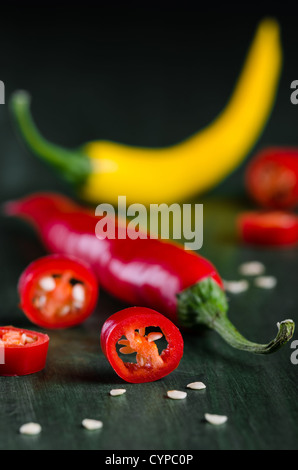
x=131, y=324
x=103, y=170
x=272, y=178
x=145, y=272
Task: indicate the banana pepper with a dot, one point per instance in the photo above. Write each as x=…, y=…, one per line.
x=103, y=170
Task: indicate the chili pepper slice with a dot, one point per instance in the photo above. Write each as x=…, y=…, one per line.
x=154, y=273
x=23, y=352
x=272, y=178
x=58, y=291
x=273, y=228
x=126, y=332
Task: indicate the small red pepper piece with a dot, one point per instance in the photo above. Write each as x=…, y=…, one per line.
x=272, y=178
x=273, y=228
x=127, y=328
x=23, y=352
x=57, y=291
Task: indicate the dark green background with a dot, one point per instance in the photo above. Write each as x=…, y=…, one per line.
x=146, y=77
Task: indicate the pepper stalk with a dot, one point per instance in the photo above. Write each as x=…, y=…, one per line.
x=205, y=303
x=72, y=165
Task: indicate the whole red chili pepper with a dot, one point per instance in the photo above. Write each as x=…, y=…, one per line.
x=144, y=272
x=272, y=178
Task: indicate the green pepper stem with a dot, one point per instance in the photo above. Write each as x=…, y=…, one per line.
x=205, y=304
x=73, y=165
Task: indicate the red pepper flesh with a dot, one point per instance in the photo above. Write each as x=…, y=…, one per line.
x=58, y=291
x=128, y=328
x=272, y=178
x=273, y=228
x=147, y=272
x=25, y=351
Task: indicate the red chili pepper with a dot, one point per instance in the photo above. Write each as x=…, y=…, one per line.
x=274, y=228
x=148, y=272
x=272, y=178
x=58, y=291
x=129, y=329
x=23, y=352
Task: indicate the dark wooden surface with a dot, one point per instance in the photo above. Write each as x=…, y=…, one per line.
x=148, y=83
x=257, y=393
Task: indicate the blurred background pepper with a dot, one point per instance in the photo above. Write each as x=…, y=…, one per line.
x=272, y=178
x=104, y=170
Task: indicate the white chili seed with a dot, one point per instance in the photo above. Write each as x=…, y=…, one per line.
x=176, y=394
x=41, y=301
x=252, y=268
x=236, y=287
x=78, y=293
x=65, y=310
x=196, y=386
x=141, y=360
x=31, y=429
x=117, y=391
x=126, y=350
x=154, y=336
x=215, y=419
x=47, y=283
x=92, y=424
x=26, y=339
x=266, y=282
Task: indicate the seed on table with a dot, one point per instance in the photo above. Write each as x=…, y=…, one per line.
x=266, y=282
x=215, y=419
x=236, y=287
x=30, y=429
x=196, y=386
x=117, y=391
x=92, y=424
x=252, y=268
x=176, y=394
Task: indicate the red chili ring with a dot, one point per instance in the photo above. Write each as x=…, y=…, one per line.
x=58, y=291
x=127, y=328
x=23, y=352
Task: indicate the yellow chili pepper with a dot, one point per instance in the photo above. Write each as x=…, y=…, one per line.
x=104, y=170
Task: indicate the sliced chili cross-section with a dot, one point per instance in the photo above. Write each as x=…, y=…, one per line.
x=58, y=291
x=23, y=351
x=134, y=333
